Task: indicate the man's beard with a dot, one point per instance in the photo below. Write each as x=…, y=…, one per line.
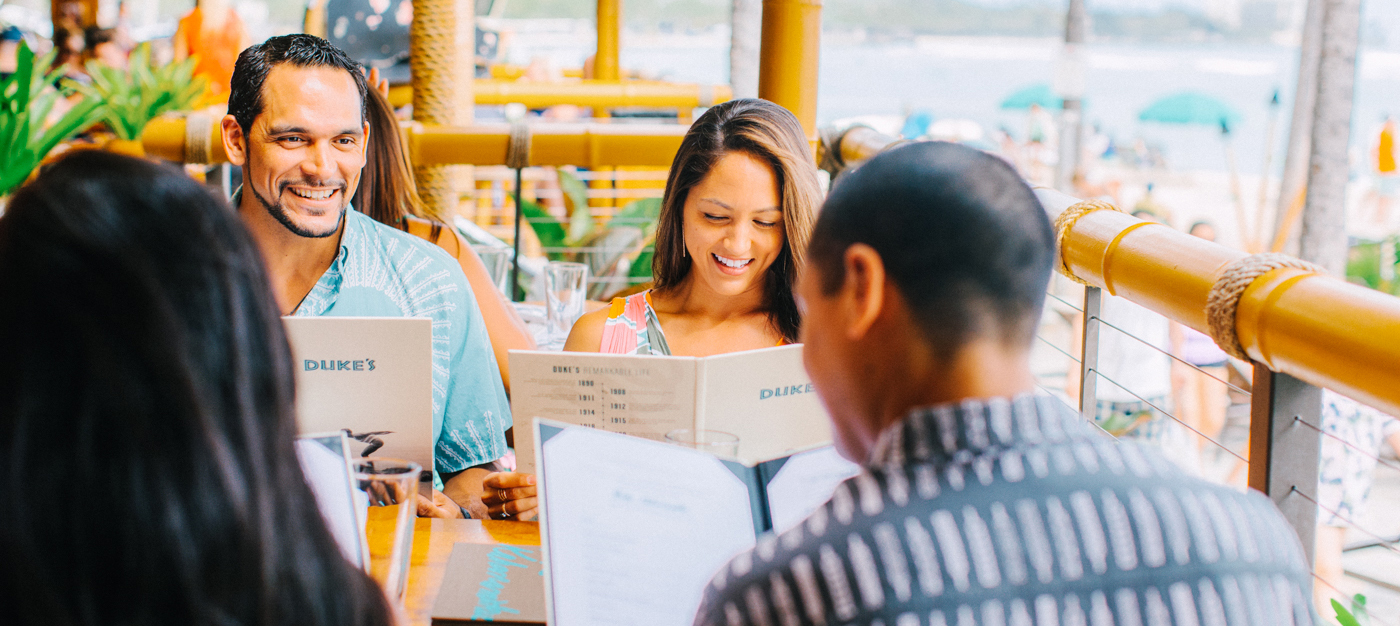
x=279, y=212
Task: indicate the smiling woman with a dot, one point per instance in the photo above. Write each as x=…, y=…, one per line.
x=735, y=217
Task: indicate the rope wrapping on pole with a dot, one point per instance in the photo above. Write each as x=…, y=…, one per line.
x=433, y=50
x=1224, y=298
x=518, y=150
x=1065, y=221
x=199, y=137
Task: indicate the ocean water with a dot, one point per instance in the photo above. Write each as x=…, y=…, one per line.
x=967, y=78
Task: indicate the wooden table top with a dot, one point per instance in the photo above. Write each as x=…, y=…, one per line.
x=432, y=545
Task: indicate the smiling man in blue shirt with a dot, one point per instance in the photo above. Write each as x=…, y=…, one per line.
x=297, y=127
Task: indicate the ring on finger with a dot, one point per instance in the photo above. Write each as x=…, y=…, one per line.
x=501, y=494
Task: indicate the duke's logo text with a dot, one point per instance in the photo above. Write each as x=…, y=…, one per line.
x=778, y=392
x=362, y=365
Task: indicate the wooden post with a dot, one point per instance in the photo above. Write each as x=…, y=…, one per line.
x=1284, y=454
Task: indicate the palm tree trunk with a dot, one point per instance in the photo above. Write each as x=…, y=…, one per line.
x=1323, y=238
x=1295, y=163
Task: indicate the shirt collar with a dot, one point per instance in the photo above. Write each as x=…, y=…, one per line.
x=939, y=433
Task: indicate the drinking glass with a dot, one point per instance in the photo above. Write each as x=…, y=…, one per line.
x=715, y=442
x=390, y=487
x=565, y=285
x=497, y=262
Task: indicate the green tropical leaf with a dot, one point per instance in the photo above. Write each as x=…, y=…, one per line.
x=576, y=204
x=142, y=92
x=1343, y=615
x=548, y=228
x=26, y=100
x=641, y=266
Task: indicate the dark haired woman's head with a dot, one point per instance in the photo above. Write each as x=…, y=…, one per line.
x=738, y=207
x=146, y=425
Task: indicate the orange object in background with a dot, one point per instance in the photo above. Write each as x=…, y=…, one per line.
x=1385, y=151
x=214, y=34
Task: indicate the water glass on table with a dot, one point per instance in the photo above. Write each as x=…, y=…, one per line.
x=390, y=487
x=716, y=442
x=566, y=286
x=497, y=262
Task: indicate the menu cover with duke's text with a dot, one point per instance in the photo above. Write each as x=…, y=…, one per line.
x=372, y=376
x=763, y=397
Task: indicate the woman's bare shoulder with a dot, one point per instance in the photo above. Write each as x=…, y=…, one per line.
x=587, y=334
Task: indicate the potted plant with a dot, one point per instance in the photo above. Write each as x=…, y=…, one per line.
x=139, y=94
x=26, y=99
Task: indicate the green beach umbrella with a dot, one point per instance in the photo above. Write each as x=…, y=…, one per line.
x=1039, y=93
x=1189, y=107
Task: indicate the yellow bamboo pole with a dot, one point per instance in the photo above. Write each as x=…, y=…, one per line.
x=788, y=55
x=601, y=93
x=1317, y=328
x=584, y=145
x=605, y=62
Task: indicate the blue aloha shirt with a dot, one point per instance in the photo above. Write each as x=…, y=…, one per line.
x=385, y=272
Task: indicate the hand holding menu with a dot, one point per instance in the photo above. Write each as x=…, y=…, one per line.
x=762, y=396
x=633, y=529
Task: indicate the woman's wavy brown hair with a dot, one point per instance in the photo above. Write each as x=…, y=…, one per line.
x=387, y=191
x=771, y=134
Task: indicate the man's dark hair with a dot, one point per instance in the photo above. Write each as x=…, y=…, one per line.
x=245, y=98
x=147, y=415
x=960, y=234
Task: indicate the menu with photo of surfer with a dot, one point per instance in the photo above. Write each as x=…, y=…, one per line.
x=763, y=397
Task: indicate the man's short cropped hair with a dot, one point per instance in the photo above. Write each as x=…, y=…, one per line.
x=960, y=234
x=245, y=99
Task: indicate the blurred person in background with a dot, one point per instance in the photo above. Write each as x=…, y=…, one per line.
x=389, y=195
x=10, y=38
x=213, y=32
x=1201, y=397
x=146, y=416
x=1387, y=175
x=1358, y=434
x=735, y=218
x=102, y=45
x=1134, y=385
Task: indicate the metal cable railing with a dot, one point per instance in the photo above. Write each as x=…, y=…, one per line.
x=1168, y=414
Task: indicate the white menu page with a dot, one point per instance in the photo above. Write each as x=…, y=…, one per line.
x=634, y=530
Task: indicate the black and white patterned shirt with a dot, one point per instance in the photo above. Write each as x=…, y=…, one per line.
x=1013, y=512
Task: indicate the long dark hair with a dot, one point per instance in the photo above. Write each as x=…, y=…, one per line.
x=387, y=191
x=147, y=466
x=771, y=134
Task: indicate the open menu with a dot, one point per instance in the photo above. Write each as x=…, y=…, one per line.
x=762, y=396
x=634, y=529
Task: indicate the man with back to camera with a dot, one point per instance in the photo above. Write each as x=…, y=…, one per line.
x=297, y=127
x=980, y=502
